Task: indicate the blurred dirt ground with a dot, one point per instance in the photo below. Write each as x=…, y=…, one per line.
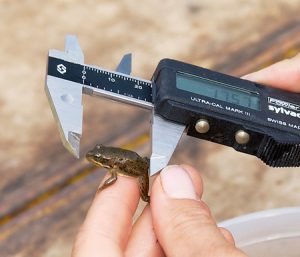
x=44, y=191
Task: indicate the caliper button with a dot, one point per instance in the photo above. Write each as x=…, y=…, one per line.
x=242, y=137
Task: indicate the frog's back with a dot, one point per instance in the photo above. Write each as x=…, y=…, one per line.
x=130, y=163
x=122, y=154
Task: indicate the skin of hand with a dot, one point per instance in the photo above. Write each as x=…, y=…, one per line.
x=284, y=74
x=177, y=223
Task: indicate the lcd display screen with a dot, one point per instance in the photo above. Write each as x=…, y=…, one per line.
x=217, y=90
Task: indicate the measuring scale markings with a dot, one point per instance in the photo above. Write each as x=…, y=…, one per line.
x=102, y=79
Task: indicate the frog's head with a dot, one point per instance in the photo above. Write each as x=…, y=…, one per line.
x=99, y=156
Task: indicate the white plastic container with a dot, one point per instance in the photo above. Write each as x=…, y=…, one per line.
x=272, y=233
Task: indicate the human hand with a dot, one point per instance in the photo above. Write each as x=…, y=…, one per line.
x=182, y=222
x=177, y=223
x=107, y=229
x=284, y=74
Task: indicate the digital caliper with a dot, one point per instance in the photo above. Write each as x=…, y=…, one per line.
x=251, y=118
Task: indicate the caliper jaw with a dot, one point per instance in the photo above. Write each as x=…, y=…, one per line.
x=125, y=64
x=165, y=136
x=65, y=97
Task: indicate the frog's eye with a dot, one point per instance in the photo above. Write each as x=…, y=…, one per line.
x=98, y=155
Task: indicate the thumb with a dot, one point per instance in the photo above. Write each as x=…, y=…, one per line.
x=182, y=222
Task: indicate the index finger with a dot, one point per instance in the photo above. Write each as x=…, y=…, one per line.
x=109, y=220
x=284, y=74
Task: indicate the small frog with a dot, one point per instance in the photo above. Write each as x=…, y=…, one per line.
x=121, y=162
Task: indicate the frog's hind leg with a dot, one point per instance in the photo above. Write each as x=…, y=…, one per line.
x=112, y=179
x=144, y=188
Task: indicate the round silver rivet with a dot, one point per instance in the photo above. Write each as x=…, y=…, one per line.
x=202, y=126
x=242, y=137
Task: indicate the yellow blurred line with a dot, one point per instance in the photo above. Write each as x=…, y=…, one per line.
x=289, y=53
x=44, y=196
x=140, y=140
x=46, y=210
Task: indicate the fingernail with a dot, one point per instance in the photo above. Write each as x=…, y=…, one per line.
x=247, y=76
x=177, y=183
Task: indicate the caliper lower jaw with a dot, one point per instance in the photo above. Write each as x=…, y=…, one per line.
x=165, y=136
x=65, y=97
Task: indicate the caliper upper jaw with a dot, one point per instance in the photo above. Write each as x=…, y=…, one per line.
x=165, y=136
x=65, y=97
x=125, y=65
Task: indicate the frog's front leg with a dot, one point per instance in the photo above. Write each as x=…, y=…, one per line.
x=110, y=180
